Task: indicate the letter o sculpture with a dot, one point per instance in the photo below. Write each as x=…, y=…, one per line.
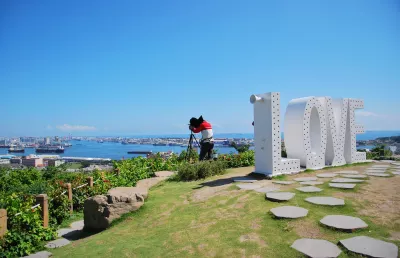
x=309, y=144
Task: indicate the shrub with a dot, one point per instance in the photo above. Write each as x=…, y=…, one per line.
x=240, y=148
x=25, y=231
x=244, y=159
x=200, y=170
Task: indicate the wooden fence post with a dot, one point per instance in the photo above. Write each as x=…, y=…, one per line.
x=43, y=200
x=69, y=191
x=3, y=222
x=89, y=181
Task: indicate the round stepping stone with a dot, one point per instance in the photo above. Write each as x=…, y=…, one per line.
x=346, y=180
x=347, y=172
x=302, y=179
x=309, y=189
x=370, y=169
x=327, y=175
x=248, y=186
x=283, y=182
x=289, y=212
x=279, y=196
x=378, y=174
x=267, y=189
x=343, y=222
x=375, y=171
x=354, y=176
x=330, y=201
x=342, y=186
x=370, y=247
x=311, y=183
x=380, y=166
x=316, y=248
x=244, y=179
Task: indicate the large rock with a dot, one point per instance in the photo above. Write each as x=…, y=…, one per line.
x=99, y=211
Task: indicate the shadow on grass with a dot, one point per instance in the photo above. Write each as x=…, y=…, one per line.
x=229, y=180
x=80, y=234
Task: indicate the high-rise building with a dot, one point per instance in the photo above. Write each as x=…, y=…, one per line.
x=47, y=140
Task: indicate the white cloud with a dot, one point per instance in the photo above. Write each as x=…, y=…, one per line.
x=70, y=128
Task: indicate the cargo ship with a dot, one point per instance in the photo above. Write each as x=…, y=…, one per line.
x=15, y=148
x=50, y=149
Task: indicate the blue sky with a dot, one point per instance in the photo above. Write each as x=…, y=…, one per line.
x=146, y=67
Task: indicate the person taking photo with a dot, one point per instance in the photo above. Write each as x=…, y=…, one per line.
x=199, y=125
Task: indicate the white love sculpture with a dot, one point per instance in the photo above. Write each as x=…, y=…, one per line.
x=319, y=132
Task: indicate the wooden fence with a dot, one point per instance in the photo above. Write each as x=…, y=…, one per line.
x=42, y=200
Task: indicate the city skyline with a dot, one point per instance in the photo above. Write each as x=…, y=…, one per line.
x=138, y=68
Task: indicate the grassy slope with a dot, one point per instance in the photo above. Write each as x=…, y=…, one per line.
x=170, y=224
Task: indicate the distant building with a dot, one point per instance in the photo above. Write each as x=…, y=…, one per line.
x=32, y=162
x=15, y=161
x=55, y=162
x=4, y=161
x=391, y=148
x=47, y=141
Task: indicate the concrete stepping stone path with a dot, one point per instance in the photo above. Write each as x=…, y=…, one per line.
x=323, y=200
x=66, y=231
x=283, y=182
x=78, y=224
x=327, y=175
x=370, y=247
x=396, y=173
x=378, y=174
x=302, y=179
x=347, y=172
x=244, y=179
x=289, y=212
x=346, y=180
x=279, y=196
x=267, y=189
x=309, y=189
x=249, y=186
x=316, y=248
x=355, y=176
x=42, y=254
x=311, y=183
x=342, y=186
x=57, y=243
x=342, y=222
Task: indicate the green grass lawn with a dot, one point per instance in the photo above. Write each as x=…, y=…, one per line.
x=233, y=223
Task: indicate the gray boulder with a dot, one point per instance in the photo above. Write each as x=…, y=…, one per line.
x=100, y=210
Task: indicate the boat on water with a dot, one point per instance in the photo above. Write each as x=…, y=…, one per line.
x=67, y=144
x=159, y=144
x=50, y=149
x=15, y=148
x=100, y=141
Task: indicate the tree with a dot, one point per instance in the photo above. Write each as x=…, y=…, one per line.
x=240, y=148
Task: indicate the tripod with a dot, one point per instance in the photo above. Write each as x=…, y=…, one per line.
x=190, y=147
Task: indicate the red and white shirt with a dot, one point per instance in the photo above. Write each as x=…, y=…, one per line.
x=206, y=131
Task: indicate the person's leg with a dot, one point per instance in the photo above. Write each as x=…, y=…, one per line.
x=210, y=150
x=203, y=151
